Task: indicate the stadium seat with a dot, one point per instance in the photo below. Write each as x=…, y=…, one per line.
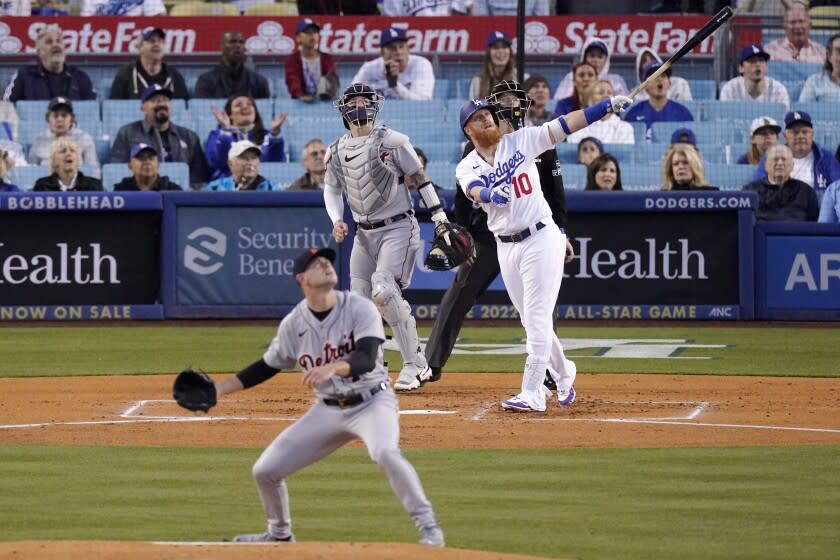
x=745, y=110
x=566, y=153
x=706, y=132
x=794, y=88
x=574, y=176
x=282, y=174
x=622, y=152
x=272, y=9
x=25, y=176
x=703, y=89
x=442, y=89
x=819, y=111
x=641, y=177
x=436, y=150
x=639, y=132
x=318, y=110
x=729, y=177
x=119, y=112
x=648, y=154
x=442, y=173
x=397, y=110
x=787, y=71
x=299, y=130
x=203, y=9
x=113, y=173
x=178, y=172
x=86, y=112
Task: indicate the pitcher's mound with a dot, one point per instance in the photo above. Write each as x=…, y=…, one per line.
x=127, y=550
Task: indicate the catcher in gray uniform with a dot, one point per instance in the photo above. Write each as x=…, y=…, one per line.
x=336, y=339
x=367, y=166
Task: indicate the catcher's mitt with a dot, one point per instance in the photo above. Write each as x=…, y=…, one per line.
x=194, y=390
x=451, y=246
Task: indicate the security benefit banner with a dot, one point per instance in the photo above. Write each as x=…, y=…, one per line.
x=238, y=260
x=79, y=265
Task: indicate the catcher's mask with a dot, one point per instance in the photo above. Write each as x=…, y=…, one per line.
x=471, y=108
x=357, y=114
x=515, y=116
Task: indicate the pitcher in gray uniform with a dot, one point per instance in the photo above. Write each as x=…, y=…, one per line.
x=368, y=166
x=336, y=339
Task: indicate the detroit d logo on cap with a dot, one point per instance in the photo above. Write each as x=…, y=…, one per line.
x=205, y=250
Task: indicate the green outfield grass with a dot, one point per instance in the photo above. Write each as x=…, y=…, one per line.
x=164, y=349
x=758, y=502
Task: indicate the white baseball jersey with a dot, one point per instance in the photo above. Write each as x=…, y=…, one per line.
x=774, y=92
x=422, y=7
x=513, y=166
x=367, y=169
x=305, y=341
x=416, y=82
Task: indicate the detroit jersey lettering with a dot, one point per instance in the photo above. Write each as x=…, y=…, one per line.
x=304, y=341
x=515, y=167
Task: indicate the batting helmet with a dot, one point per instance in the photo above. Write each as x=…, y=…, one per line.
x=359, y=115
x=471, y=108
x=508, y=110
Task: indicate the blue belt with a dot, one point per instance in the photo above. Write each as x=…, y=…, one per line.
x=358, y=398
x=385, y=222
x=524, y=234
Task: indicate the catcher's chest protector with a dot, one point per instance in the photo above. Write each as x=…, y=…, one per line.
x=368, y=183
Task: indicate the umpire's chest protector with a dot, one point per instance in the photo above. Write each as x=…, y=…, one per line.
x=366, y=170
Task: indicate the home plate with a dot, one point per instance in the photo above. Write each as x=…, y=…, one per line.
x=428, y=411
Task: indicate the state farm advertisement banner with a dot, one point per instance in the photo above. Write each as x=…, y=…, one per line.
x=359, y=35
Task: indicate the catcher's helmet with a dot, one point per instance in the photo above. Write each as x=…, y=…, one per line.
x=471, y=108
x=515, y=116
x=360, y=115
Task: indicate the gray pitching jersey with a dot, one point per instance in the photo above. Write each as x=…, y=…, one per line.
x=369, y=169
x=305, y=341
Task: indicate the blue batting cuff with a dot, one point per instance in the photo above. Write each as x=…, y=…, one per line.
x=596, y=112
x=564, y=126
x=484, y=194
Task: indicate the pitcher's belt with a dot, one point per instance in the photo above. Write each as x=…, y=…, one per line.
x=358, y=398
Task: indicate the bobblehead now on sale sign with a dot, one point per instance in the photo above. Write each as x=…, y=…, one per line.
x=359, y=35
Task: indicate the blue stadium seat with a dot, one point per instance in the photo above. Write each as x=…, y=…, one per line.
x=317, y=110
x=639, y=132
x=448, y=151
x=648, y=154
x=703, y=89
x=453, y=109
x=86, y=112
x=819, y=110
x=786, y=71
x=103, y=149
x=113, y=173
x=794, y=88
x=299, y=130
x=25, y=176
x=696, y=108
x=282, y=174
x=729, y=177
x=178, y=172
x=566, y=153
x=397, y=110
x=706, y=132
x=118, y=112
x=641, y=177
x=574, y=176
x=442, y=173
x=442, y=89
x=622, y=152
x=744, y=110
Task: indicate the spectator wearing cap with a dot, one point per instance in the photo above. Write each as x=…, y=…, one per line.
x=241, y=120
x=680, y=90
x=123, y=8
x=310, y=73
x=46, y=8
x=825, y=85
x=682, y=169
x=589, y=148
x=796, y=45
x=830, y=206
x=753, y=84
x=50, y=77
x=424, y=7
x=812, y=164
x=539, y=91
x=764, y=134
x=610, y=129
x=232, y=74
x=61, y=122
x=782, y=197
x=244, y=163
x=397, y=74
x=65, y=160
x=148, y=69
x=508, y=8
x=657, y=108
x=7, y=162
x=596, y=53
x=497, y=65
x=145, y=172
x=14, y=8
x=171, y=142
x=313, y=159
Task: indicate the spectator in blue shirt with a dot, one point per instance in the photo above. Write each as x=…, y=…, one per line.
x=244, y=163
x=658, y=108
x=47, y=8
x=241, y=120
x=830, y=207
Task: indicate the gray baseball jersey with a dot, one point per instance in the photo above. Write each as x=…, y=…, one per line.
x=304, y=341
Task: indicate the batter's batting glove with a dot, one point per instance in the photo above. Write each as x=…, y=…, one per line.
x=498, y=195
x=619, y=103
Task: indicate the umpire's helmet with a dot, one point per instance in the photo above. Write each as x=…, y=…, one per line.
x=515, y=116
x=359, y=115
x=471, y=108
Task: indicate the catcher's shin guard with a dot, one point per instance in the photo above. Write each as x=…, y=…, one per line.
x=397, y=313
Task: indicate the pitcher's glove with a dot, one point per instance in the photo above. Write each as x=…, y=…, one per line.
x=194, y=390
x=451, y=246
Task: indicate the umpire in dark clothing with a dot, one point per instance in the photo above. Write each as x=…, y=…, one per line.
x=50, y=77
x=471, y=281
x=231, y=75
x=175, y=143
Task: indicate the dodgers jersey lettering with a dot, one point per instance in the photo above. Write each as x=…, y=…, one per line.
x=515, y=167
x=305, y=341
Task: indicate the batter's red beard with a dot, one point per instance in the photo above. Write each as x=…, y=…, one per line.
x=487, y=137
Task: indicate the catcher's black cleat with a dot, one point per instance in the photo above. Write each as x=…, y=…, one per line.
x=549, y=381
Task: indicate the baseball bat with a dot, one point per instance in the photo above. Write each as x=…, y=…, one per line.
x=710, y=27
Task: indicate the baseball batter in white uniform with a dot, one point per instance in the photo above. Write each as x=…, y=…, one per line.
x=336, y=339
x=500, y=175
x=367, y=166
